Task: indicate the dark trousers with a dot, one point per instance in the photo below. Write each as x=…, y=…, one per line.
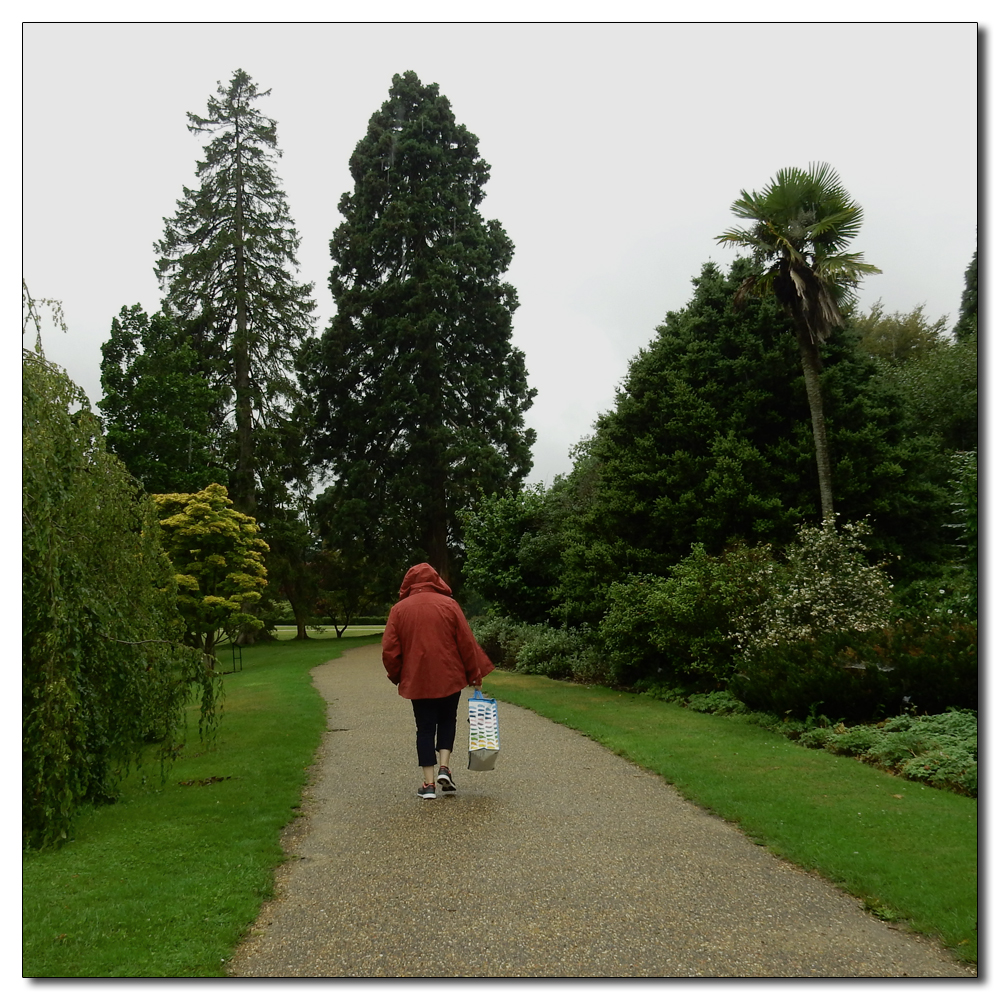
x=436, y=718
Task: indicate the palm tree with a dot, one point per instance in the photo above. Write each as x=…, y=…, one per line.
x=801, y=223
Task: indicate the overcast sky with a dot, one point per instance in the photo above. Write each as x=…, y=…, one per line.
x=616, y=152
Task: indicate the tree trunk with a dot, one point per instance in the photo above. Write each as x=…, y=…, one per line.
x=809, y=354
x=300, y=629
x=437, y=550
x=244, y=485
x=436, y=528
x=244, y=480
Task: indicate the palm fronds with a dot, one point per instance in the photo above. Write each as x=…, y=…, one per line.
x=802, y=222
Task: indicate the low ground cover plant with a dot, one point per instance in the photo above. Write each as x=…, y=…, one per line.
x=939, y=750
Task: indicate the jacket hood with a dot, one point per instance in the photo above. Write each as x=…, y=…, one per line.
x=420, y=578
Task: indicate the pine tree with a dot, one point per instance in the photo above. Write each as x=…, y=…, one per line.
x=419, y=395
x=226, y=264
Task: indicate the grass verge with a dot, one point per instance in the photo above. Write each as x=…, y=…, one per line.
x=164, y=882
x=907, y=851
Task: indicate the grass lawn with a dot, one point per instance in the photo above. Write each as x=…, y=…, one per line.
x=164, y=882
x=908, y=851
x=328, y=631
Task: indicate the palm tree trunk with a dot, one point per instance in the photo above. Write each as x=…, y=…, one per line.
x=809, y=355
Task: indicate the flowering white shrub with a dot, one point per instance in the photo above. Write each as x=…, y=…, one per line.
x=825, y=585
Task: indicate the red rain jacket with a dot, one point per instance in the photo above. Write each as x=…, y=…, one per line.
x=428, y=649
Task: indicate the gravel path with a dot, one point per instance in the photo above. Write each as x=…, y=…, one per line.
x=566, y=861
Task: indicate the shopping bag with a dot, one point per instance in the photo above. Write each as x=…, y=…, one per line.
x=484, y=732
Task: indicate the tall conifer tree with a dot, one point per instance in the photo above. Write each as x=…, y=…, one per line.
x=226, y=267
x=419, y=396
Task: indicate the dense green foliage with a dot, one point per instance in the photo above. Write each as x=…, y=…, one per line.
x=159, y=405
x=965, y=510
x=165, y=882
x=104, y=673
x=682, y=626
x=862, y=679
x=823, y=586
x=897, y=337
x=419, y=396
x=204, y=391
x=939, y=391
x=293, y=577
x=563, y=653
x=226, y=266
x=809, y=628
x=218, y=559
x=939, y=383
x=513, y=548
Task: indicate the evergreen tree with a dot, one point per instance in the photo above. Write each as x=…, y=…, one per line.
x=226, y=264
x=159, y=406
x=967, y=327
x=419, y=396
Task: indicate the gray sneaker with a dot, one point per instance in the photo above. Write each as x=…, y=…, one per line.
x=444, y=780
x=427, y=792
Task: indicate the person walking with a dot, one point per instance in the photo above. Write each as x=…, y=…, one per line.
x=430, y=654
